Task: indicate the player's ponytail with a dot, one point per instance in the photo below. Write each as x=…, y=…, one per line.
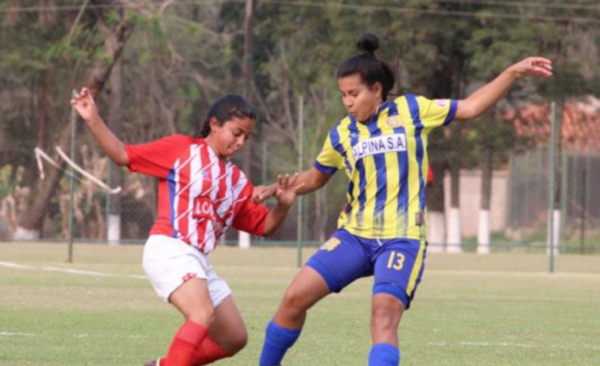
x=225, y=108
x=368, y=66
x=368, y=44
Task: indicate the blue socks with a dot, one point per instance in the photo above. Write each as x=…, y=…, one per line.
x=277, y=341
x=384, y=354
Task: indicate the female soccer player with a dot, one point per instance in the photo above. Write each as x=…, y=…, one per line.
x=382, y=146
x=200, y=195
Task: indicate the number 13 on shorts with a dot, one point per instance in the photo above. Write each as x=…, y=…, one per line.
x=396, y=260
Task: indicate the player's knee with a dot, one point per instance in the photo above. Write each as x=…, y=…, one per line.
x=293, y=300
x=237, y=341
x=204, y=316
x=386, y=313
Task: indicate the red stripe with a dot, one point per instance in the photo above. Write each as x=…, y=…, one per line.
x=184, y=197
x=206, y=185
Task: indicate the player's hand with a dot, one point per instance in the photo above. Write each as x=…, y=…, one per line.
x=533, y=66
x=287, y=189
x=84, y=104
x=261, y=193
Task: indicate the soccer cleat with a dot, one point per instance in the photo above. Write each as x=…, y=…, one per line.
x=153, y=363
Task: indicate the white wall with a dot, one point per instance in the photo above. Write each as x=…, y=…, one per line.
x=470, y=200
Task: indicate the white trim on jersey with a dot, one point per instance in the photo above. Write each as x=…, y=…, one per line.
x=209, y=234
x=197, y=175
x=195, y=190
x=175, y=202
x=237, y=190
x=228, y=199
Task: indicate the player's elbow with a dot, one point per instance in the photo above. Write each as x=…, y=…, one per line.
x=269, y=231
x=272, y=224
x=121, y=158
x=467, y=110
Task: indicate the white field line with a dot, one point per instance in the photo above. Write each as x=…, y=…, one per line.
x=482, y=344
x=508, y=345
x=15, y=265
x=19, y=334
x=9, y=334
x=459, y=272
x=70, y=271
x=511, y=273
x=224, y=267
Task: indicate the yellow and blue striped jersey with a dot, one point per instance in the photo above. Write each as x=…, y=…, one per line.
x=386, y=161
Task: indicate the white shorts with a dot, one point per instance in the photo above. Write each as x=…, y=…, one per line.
x=169, y=262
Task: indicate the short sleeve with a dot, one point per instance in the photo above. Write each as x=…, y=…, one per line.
x=249, y=216
x=158, y=157
x=437, y=112
x=329, y=159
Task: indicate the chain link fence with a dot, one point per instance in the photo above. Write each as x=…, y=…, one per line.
x=518, y=196
x=492, y=177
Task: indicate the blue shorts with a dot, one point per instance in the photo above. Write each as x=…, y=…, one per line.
x=396, y=264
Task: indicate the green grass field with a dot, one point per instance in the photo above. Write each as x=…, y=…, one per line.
x=501, y=309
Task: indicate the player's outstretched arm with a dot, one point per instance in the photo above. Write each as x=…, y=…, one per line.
x=84, y=103
x=484, y=98
x=286, y=191
x=309, y=181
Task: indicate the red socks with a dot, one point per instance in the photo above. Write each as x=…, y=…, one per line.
x=184, y=345
x=207, y=352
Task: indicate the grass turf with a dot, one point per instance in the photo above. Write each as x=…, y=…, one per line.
x=500, y=309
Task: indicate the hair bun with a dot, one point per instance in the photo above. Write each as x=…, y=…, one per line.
x=368, y=44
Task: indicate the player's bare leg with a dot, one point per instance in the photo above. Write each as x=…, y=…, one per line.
x=228, y=328
x=227, y=336
x=386, y=313
x=307, y=288
x=192, y=299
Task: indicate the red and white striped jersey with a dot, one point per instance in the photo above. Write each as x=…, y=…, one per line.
x=199, y=196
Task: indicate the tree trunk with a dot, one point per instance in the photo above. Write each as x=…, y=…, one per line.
x=44, y=13
x=42, y=108
x=244, y=238
x=321, y=214
x=116, y=37
x=436, y=198
x=115, y=122
x=445, y=225
x=556, y=214
x=483, y=234
x=248, y=71
x=454, y=226
x=12, y=16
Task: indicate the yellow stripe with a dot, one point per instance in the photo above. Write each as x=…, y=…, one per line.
x=412, y=282
x=425, y=166
x=413, y=173
x=367, y=225
x=344, y=133
x=391, y=217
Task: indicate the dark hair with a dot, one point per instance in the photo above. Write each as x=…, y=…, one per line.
x=225, y=108
x=370, y=68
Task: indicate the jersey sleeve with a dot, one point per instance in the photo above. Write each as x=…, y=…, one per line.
x=156, y=158
x=436, y=113
x=329, y=159
x=249, y=216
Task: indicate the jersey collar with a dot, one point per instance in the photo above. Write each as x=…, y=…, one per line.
x=380, y=109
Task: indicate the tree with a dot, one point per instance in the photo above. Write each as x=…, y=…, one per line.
x=115, y=36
